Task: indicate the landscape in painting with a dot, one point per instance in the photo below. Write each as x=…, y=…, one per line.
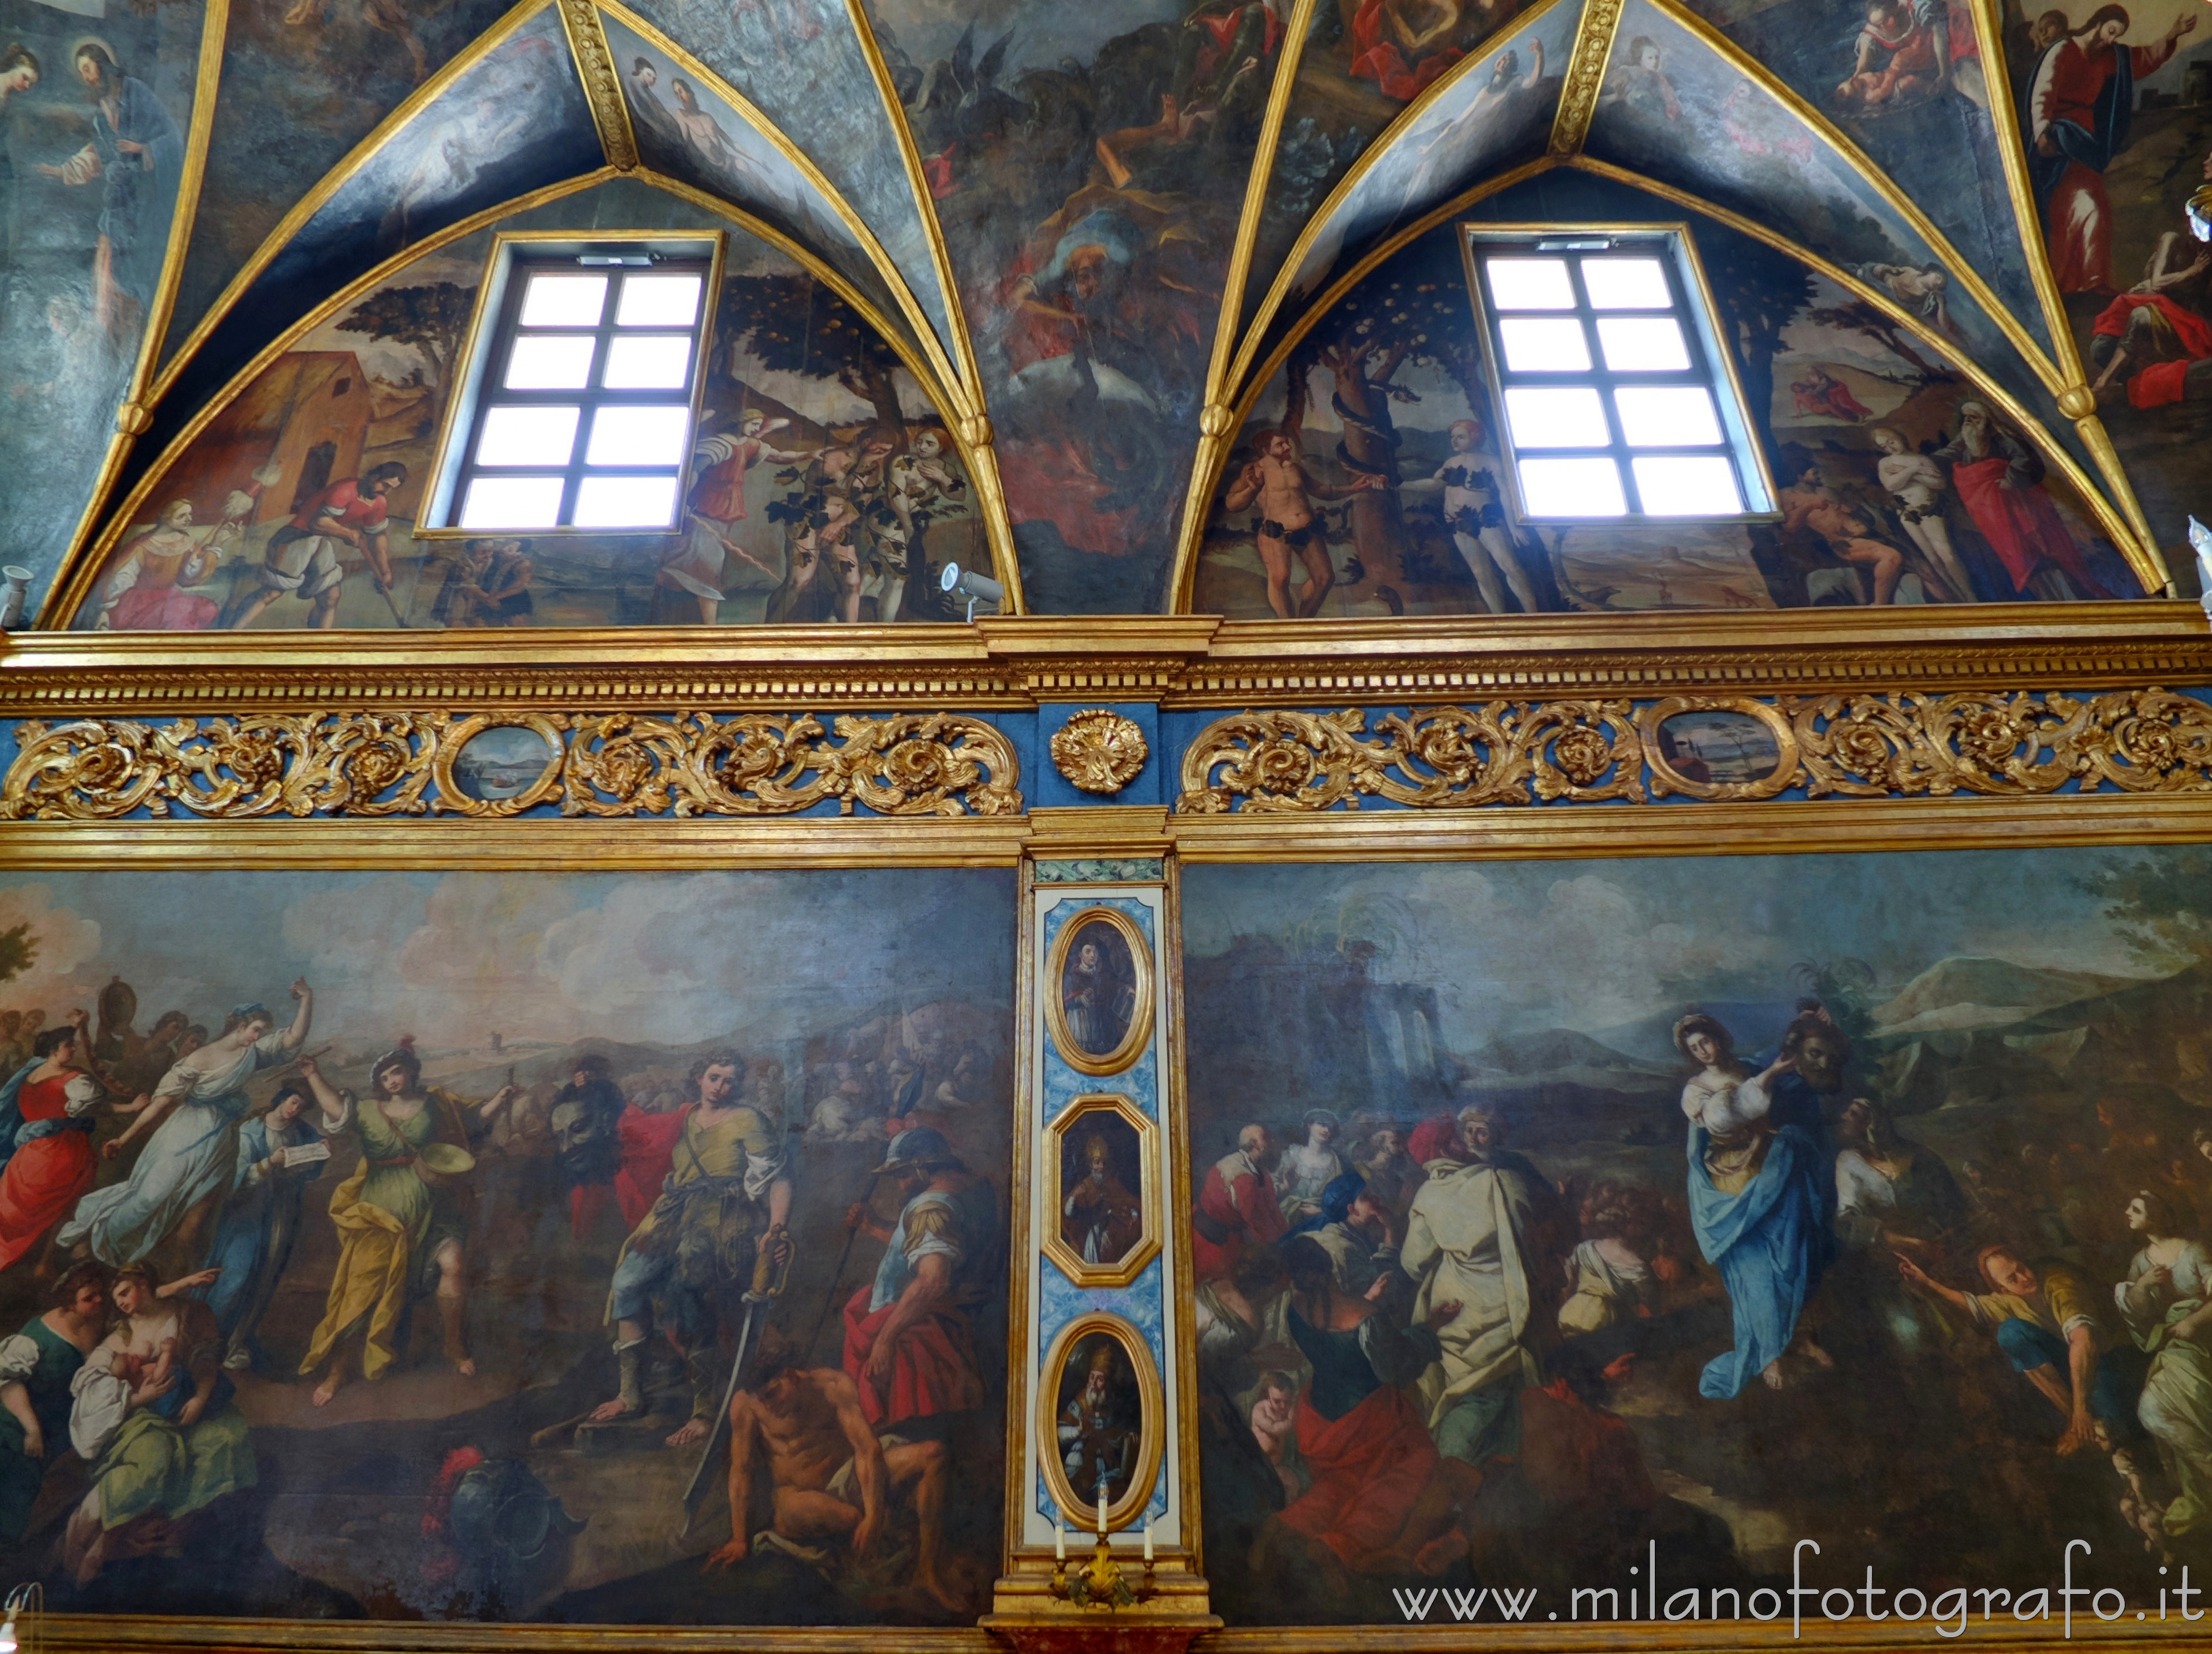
x=823, y=487
x=1546, y=1213
x=2116, y=112
x=94, y=113
x=1898, y=481
x=1088, y=164
x=542, y=1248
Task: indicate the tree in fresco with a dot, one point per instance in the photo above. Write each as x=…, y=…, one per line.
x=19, y=951
x=433, y=318
x=2162, y=904
x=1415, y=313
x=1758, y=292
x=796, y=325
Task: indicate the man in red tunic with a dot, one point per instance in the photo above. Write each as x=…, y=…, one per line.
x=2154, y=342
x=301, y=559
x=1237, y=1208
x=1994, y=477
x=908, y=1344
x=648, y=1150
x=2080, y=102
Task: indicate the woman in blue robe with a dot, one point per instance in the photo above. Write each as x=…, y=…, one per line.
x=261, y=1219
x=1758, y=1204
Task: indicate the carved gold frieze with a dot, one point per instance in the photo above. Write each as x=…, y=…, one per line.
x=503, y=763
x=1438, y=757
x=1714, y=749
x=1099, y=750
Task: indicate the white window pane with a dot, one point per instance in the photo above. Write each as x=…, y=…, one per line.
x=1530, y=285
x=638, y=436
x=512, y=503
x=1545, y=346
x=1667, y=415
x=559, y=361
x=649, y=362
x=564, y=301
x=1626, y=284
x=625, y=502
x=1565, y=418
x=658, y=301
x=1702, y=485
x=527, y=436
x=1643, y=345
x=1572, y=487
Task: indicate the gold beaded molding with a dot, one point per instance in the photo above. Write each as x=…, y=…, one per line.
x=417, y=763
x=1524, y=752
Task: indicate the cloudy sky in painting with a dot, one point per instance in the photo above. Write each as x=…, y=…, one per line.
x=1511, y=946
x=662, y=957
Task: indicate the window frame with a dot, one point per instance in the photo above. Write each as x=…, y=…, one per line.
x=1693, y=308
x=492, y=327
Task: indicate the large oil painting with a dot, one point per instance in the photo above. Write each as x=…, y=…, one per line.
x=1571, y=1230
x=2116, y=117
x=94, y=115
x=574, y=1249
x=1899, y=480
x=823, y=486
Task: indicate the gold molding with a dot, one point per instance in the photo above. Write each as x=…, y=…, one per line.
x=2019, y=745
x=602, y=82
x=1476, y=60
x=1192, y=661
x=1153, y=1402
x=297, y=217
x=2142, y=556
x=392, y=764
x=2038, y=360
x=1139, y=1039
x=1125, y=1269
x=871, y=249
x=1587, y=62
x=96, y=1633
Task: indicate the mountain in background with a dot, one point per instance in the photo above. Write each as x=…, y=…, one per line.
x=1959, y=995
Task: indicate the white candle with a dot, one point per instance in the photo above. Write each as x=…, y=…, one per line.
x=1059, y=1542
x=1148, y=1537
x=1102, y=1507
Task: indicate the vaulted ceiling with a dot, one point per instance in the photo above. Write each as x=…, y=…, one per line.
x=969, y=172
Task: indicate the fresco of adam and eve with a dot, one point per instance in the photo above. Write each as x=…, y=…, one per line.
x=389, y=1244
x=1547, y=1211
x=823, y=487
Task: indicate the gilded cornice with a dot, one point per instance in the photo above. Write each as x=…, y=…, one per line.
x=1192, y=661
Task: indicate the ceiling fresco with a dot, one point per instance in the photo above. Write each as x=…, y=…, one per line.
x=1107, y=248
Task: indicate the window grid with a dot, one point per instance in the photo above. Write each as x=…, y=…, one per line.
x=589, y=399
x=1574, y=253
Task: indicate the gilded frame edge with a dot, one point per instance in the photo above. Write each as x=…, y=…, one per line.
x=1152, y=1403
x=1123, y=1056
x=1149, y=1240
x=1665, y=779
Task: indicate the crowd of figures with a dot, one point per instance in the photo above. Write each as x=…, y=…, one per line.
x=1421, y=1350
x=156, y=1194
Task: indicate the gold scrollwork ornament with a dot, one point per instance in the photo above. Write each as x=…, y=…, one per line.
x=1099, y=750
x=396, y=763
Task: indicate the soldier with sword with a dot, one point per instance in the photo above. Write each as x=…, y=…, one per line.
x=722, y=1223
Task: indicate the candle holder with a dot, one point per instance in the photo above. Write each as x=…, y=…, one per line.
x=1101, y=1581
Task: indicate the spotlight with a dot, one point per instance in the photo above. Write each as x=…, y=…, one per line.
x=976, y=588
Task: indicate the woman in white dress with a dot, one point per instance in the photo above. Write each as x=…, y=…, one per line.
x=2166, y=1301
x=192, y=1154
x=1310, y=1167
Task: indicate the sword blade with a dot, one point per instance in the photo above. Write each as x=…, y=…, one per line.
x=720, y=1432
